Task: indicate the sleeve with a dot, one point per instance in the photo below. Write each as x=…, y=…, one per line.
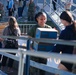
x=58, y=47
x=17, y=32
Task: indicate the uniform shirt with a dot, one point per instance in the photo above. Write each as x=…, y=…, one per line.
x=66, y=34
x=31, y=7
x=11, y=3
x=32, y=31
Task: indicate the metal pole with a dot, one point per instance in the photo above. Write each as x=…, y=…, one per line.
x=20, y=70
x=27, y=65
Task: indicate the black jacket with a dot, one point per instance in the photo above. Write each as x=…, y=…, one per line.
x=67, y=34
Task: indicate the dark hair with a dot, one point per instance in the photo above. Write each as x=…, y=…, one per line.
x=66, y=15
x=39, y=14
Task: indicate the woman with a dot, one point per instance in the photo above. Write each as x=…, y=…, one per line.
x=69, y=33
x=41, y=19
x=31, y=10
x=11, y=30
x=10, y=8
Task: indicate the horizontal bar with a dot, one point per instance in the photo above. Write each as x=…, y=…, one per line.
x=55, y=41
x=10, y=56
x=49, y=69
x=9, y=50
x=62, y=57
x=26, y=24
x=16, y=37
x=69, y=42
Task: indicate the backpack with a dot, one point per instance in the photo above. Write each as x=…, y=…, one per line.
x=11, y=43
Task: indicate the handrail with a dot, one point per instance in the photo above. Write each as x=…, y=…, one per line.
x=50, y=69
x=55, y=41
x=62, y=57
x=26, y=24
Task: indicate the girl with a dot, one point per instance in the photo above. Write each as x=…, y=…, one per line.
x=11, y=30
x=69, y=33
x=41, y=19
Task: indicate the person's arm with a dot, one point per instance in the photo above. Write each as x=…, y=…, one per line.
x=58, y=47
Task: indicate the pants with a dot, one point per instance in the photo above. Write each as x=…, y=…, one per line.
x=10, y=61
x=31, y=16
x=10, y=12
x=20, y=12
x=54, y=4
x=24, y=4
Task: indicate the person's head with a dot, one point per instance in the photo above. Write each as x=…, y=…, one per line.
x=31, y=1
x=12, y=22
x=41, y=18
x=66, y=18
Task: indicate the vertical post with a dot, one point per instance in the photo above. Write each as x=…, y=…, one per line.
x=20, y=70
x=27, y=60
x=23, y=29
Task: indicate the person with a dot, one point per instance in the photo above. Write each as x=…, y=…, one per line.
x=54, y=4
x=31, y=10
x=69, y=33
x=11, y=30
x=24, y=4
x=41, y=19
x=10, y=8
x=20, y=5
x=68, y=4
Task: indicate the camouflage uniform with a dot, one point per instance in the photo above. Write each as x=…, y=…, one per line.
x=33, y=70
x=31, y=11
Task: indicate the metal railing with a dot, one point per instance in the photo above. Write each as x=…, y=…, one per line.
x=62, y=57
x=25, y=28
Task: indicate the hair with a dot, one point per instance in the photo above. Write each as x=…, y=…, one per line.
x=13, y=22
x=39, y=14
x=66, y=15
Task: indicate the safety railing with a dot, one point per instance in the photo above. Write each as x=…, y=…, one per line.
x=25, y=28
x=28, y=62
